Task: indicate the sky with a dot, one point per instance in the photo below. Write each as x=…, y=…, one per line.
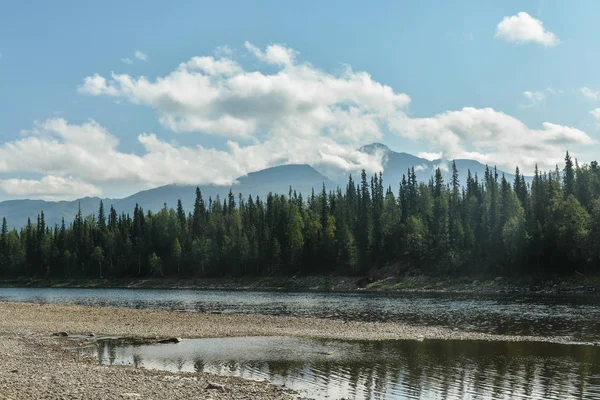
x=108, y=98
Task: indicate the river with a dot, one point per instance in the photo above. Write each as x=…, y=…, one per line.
x=333, y=369
x=575, y=317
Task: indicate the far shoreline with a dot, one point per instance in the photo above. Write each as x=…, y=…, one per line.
x=333, y=284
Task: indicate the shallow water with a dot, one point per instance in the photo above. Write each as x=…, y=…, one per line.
x=577, y=317
x=430, y=369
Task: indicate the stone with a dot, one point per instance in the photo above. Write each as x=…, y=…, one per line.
x=63, y=334
x=171, y=340
x=215, y=386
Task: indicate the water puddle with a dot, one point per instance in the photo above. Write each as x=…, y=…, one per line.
x=333, y=369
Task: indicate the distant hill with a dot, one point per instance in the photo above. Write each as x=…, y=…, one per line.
x=17, y=211
x=303, y=178
x=396, y=164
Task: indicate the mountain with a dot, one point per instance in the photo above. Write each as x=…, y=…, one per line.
x=396, y=164
x=303, y=178
x=17, y=211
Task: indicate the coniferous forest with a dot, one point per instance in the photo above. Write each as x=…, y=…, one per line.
x=484, y=226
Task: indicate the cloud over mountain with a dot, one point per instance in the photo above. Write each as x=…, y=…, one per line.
x=282, y=111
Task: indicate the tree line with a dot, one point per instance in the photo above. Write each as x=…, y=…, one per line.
x=484, y=226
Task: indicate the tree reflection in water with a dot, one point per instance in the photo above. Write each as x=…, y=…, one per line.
x=430, y=369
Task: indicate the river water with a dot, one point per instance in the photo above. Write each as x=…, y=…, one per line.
x=403, y=369
x=330, y=369
x=576, y=317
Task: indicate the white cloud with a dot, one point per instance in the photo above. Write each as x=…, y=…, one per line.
x=96, y=85
x=295, y=113
x=77, y=160
x=535, y=98
x=274, y=54
x=212, y=67
x=140, y=56
x=443, y=166
x=554, y=91
x=127, y=61
x=423, y=167
x=492, y=137
x=596, y=114
x=49, y=187
x=523, y=28
x=430, y=156
x=217, y=96
x=589, y=93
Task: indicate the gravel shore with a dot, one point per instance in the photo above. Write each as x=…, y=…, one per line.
x=36, y=365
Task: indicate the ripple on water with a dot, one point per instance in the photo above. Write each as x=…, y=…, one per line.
x=429, y=369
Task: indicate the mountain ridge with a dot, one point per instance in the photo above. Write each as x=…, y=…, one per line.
x=277, y=179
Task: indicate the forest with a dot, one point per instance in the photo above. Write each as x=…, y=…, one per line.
x=486, y=226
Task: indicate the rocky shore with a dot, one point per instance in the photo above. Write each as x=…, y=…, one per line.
x=39, y=365
x=376, y=283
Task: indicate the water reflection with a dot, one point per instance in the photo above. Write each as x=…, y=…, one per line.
x=574, y=316
x=431, y=369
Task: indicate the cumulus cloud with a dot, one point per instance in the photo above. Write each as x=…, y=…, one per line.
x=295, y=113
x=492, y=137
x=523, y=28
x=589, y=93
x=430, y=156
x=49, y=187
x=127, y=61
x=140, y=56
x=596, y=114
x=217, y=96
x=80, y=159
x=423, y=167
x=274, y=54
x=89, y=152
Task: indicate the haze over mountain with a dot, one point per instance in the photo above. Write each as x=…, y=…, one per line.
x=396, y=164
x=301, y=177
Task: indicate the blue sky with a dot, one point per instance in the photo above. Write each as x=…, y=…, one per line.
x=444, y=55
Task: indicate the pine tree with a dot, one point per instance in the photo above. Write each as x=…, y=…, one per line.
x=181, y=215
x=439, y=226
x=569, y=176
x=198, y=215
x=364, y=224
x=101, y=217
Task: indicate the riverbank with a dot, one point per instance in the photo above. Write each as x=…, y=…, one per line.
x=422, y=284
x=36, y=364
